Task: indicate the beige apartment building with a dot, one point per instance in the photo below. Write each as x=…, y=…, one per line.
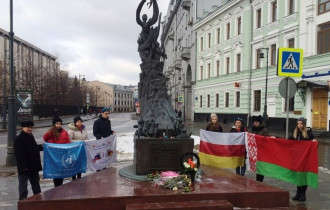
x=101, y=94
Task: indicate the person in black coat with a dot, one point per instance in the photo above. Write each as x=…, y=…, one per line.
x=239, y=127
x=259, y=129
x=102, y=126
x=27, y=153
x=301, y=133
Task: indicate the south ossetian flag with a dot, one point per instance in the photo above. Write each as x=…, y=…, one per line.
x=222, y=150
x=288, y=160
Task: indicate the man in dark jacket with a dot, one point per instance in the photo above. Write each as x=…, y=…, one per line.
x=102, y=126
x=259, y=129
x=27, y=153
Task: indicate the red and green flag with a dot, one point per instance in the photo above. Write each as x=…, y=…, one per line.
x=291, y=161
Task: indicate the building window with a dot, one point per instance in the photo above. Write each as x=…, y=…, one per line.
x=209, y=70
x=291, y=104
x=291, y=7
x=257, y=100
x=323, y=38
x=201, y=101
x=228, y=30
x=323, y=6
x=238, y=99
x=258, y=60
x=218, y=67
x=238, y=62
x=201, y=43
x=227, y=65
x=291, y=43
x=218, y=36
x=201, y=72
x=227, y=100
x=258, y=18
x=209, y=40
x=217, y=100
x=273, y=55
x=208, y=100
x=239, y=24
x=274, y=11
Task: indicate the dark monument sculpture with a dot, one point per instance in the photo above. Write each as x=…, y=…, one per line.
x=157, y=114
x=160, y=139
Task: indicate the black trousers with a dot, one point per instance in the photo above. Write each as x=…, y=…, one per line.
x=23, y=182
x=78, y=176
x=58, y=182
x=260, y=177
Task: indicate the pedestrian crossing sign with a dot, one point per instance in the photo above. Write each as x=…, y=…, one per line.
x=180, y=99
x=290, y=62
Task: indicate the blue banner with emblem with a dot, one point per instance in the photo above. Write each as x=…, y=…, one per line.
x=64, y=160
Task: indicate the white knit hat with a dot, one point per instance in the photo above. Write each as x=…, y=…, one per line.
x=214, y=115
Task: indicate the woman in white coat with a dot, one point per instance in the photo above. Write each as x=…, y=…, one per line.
x=77, y=132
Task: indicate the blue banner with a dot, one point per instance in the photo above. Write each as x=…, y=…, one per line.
x=64, y=160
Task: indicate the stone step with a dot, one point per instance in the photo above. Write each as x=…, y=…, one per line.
x=183, y=205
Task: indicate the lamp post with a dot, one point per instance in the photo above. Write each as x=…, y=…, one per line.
x=79, y=100
x=261, y=55
x=10, y=160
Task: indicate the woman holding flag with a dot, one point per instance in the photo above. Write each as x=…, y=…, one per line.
x=239, y=127
x=77, y=132
x=57, y=135
x=301, y=133
x=214, y=125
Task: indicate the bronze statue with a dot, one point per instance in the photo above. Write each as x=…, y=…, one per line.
x=157, y=114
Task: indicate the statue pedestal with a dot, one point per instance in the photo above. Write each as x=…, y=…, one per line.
x=152, y=154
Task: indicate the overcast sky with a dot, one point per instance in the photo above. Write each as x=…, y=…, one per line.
x=95, y=38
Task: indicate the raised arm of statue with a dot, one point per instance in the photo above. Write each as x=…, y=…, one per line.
x=155, y=14
x=138, y=11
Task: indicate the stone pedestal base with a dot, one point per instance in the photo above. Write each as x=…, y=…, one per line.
x=152, y=154
x=107, y=190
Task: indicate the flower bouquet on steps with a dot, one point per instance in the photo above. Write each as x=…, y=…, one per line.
x=190, y=164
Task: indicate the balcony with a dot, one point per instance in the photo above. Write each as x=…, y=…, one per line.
x=185, y=53
x=186, y=4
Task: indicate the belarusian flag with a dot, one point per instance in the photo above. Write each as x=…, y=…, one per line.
x=291, y=161
x=222, y=150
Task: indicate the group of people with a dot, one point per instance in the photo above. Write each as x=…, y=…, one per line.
x=300, y=133
x=27, y=151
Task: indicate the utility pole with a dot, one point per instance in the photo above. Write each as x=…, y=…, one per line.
x=10, y=160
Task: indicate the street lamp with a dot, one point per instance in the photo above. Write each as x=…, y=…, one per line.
x=79, y=100
x=10, y=160
x=261, y=55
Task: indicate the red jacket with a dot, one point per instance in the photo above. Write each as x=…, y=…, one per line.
x=63, y=138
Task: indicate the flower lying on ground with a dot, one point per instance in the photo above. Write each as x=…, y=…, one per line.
x=153, y=176
x=170, y=180
x=170, y=174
